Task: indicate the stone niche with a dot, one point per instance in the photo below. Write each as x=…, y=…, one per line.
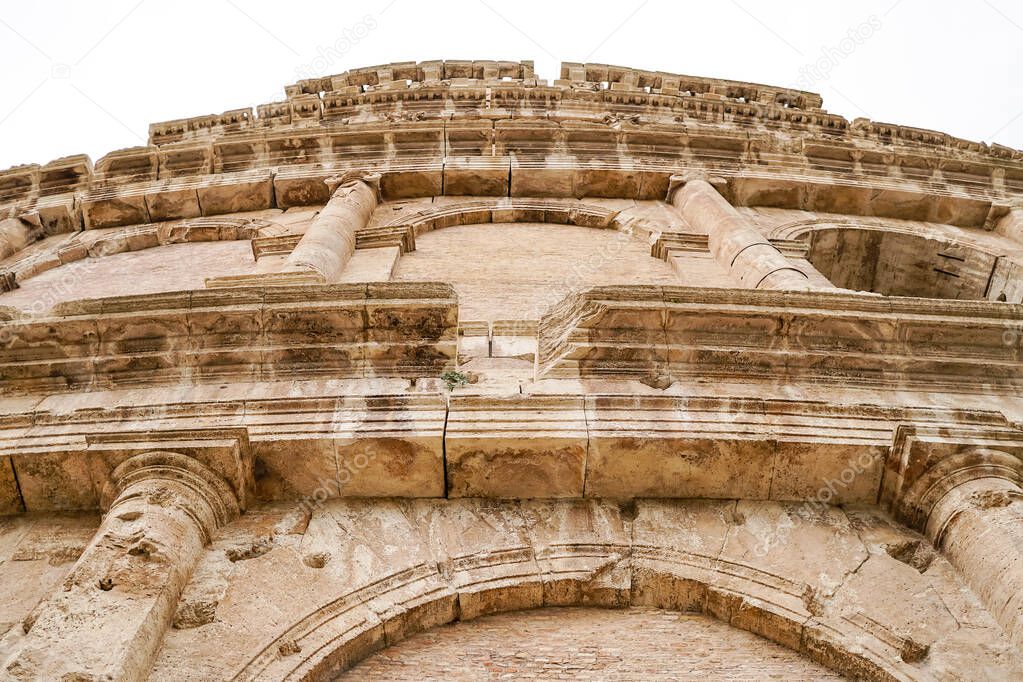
x=898, y=263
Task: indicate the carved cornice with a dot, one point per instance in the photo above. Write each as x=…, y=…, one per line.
x=726, y=127
x=823, y=337
x=243, y=333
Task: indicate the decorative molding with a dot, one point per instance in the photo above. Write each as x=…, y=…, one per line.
x=280, y=245
x=220, y=163
x=242, y=333
x=209, y=500
x=927, y=461
x=669, y=242
x=834, y=338
x=58, y=453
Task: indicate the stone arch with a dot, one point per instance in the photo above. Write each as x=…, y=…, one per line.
x=545, y=250
x=105, y=263
x=346, y=630
x=89, y=244
x=403, y=229
x=899, y=260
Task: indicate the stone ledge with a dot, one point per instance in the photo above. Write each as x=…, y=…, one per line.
x=306, y=442
x=237, y=333
x=646, y=331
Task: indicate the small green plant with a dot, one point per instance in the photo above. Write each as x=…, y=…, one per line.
x=454, y=379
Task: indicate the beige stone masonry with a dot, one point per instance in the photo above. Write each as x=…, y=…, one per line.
x=748, y=257
x=838, y=585
x=249, y=332
x=970, y=505
x=680, y=333
x=778, y=146
x=329, y=243
x=106, y=621
x=424, y=342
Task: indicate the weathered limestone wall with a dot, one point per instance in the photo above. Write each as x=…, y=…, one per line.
x=847, y=588
x=580, y=643
x=162, y=509
x=36, y=553
x=148, y=258
x=517, y=271
x=428, y=342
x=175, y=267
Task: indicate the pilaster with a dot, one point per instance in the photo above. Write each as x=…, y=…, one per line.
x=107, y=619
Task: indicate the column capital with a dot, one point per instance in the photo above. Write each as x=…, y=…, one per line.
x=1003, y=470
x=349, y=178
x=964, y=505
x=171, y=479
x=679, y=180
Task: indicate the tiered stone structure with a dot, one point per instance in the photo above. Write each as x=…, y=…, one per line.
x=654, y=361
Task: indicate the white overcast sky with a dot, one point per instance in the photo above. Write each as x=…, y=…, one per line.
x=88, y=77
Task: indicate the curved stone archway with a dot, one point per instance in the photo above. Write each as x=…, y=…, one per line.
x=402, y=229
x=397, y=569
x=347, y=631
x=590, y=644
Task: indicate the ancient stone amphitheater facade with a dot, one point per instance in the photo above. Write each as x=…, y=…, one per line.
x=438, y=369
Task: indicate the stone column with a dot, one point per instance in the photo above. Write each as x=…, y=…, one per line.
x=971, y=507
x=739, y=248
x=106, y=621
x=329, y=242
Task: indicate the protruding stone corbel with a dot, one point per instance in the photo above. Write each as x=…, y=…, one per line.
x=994, y=214
x=107, y=619
x=937, y=167
x=15, y=234
x=856, y=156
x=8, y=281
x=998, y=178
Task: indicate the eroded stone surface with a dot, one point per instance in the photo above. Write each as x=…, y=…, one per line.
x=814, y=578
x=457, y=341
